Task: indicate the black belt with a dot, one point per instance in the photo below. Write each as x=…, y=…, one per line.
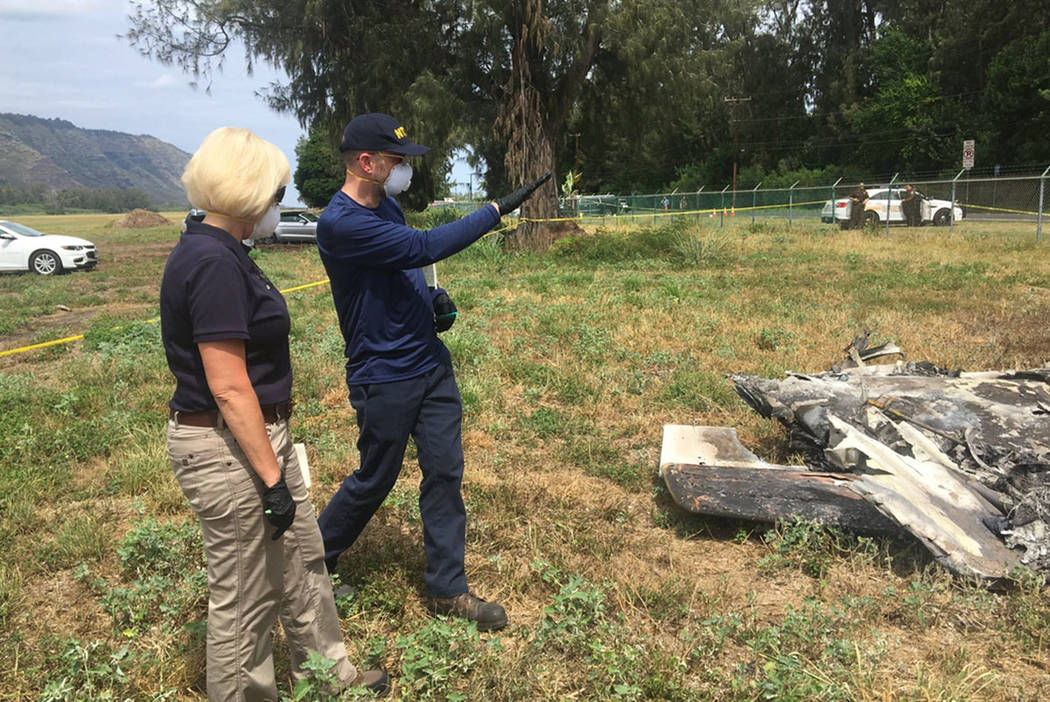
x=213, y=418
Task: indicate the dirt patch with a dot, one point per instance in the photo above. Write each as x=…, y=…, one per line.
x=145, y=251
x=141, y=219
x=60, y=325
x=57, y=598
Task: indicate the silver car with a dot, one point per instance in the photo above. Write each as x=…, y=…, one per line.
x=296, y=225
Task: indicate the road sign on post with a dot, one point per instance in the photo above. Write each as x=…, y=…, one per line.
x=968, y=153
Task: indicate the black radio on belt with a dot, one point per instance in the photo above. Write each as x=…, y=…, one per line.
x=445, y=312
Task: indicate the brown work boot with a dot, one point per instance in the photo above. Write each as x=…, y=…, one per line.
x=375, y=681
x=489, y=616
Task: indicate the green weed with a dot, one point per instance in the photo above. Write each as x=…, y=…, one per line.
x=804, y=545
x=576, y=613
x=92, y=671
x=164, y=582
x=321, y=684
x=545, y=422
x=438, y=658
x=113, y=337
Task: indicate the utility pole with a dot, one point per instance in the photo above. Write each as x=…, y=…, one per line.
x=733, y=102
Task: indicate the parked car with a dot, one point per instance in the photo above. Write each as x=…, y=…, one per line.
x=194, y=215
x=597, y=205
x=932, y=210
x=296, y=225
x=25, y=249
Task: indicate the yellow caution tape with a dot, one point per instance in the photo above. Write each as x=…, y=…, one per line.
x=80, y=337
x=997, y=209
x=726, y=211
x=304, y=287
x=676, y=213
x=42, y=345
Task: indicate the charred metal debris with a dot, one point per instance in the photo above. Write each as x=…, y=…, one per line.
x=960, y=460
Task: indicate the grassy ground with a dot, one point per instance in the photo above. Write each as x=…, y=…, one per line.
x=569, y=365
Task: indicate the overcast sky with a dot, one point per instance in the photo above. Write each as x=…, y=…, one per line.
x=62, y=58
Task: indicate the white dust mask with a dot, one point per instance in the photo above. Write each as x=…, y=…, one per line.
x=265, y=226
x=399, y=179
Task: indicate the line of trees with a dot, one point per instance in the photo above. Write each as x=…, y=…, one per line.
x=643, y=95
x=40, y=196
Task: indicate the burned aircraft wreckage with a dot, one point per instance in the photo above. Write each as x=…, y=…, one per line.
x=960, y=460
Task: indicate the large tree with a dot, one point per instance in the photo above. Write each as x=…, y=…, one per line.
x=341, y=58
x=504, y=76
x=637, y=94
x=906, y=125
x=1017, y=99
x=318, y=172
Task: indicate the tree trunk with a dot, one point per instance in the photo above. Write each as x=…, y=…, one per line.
x=525, y=123
x=535, y=232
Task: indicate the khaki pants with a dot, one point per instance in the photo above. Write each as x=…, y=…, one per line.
x=253, y=579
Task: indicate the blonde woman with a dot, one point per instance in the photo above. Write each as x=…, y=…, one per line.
x=225, y=332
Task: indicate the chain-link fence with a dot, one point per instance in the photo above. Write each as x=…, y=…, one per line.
x=944, y=202
x=1018, y=199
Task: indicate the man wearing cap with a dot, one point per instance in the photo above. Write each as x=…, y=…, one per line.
x=398, y=372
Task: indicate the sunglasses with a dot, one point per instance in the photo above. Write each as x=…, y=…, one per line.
x=280, y=194
x=396, y=158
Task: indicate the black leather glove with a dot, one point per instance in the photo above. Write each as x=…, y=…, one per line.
x=509, y=203
x=445, y=312
x=279, y=507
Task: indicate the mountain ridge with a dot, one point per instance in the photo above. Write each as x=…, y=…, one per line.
x=61, y=155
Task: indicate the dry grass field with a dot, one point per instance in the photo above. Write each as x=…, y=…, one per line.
x=569, y=364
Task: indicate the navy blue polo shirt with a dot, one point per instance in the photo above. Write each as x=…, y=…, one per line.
x=385, y=309
x=213, y=291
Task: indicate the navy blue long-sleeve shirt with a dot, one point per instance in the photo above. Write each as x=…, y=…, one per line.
x=385, y=309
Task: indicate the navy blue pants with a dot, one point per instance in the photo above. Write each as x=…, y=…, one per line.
x=427, y=408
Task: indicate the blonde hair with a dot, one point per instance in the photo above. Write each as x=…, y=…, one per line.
x=235, y=173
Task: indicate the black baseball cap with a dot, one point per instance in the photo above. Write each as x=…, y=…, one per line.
x=375, y=131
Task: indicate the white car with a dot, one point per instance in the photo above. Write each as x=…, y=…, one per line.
x=26, y=249
x=882, y=201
